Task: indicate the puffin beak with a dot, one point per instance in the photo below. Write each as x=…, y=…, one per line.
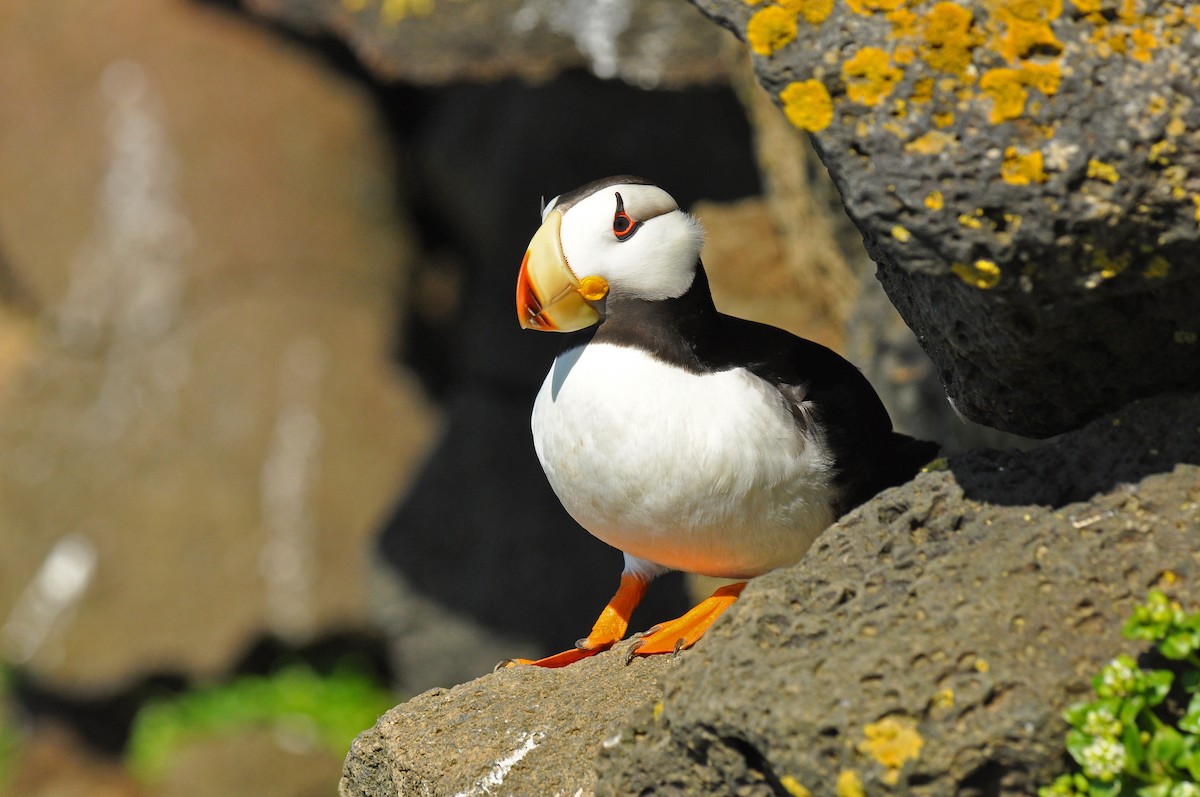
x=549, y=295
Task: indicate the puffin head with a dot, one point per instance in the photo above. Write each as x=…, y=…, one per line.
x=618, y=237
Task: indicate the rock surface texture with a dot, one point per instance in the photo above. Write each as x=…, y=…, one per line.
x=926, y=645
x=1027, y=177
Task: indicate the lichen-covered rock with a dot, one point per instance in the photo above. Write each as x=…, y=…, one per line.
x=1026, y=175
x=930, y=640
x=647, y=43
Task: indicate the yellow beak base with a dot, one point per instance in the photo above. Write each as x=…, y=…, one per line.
x=549, y=295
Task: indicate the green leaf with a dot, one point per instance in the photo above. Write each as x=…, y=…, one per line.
x=1180, y=644
x=1165, y=747
x=1155, y=685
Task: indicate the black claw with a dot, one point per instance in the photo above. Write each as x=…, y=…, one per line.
x=504, y=665
x=633, y=649
x=582, y=644
x=678, y=646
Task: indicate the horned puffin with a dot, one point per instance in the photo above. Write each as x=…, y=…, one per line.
x=688, y=439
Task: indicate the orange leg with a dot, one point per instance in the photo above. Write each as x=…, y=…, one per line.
x=683, y=632
x=668, y=637
x=609, y=629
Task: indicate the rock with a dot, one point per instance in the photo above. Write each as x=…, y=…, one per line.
x=524, y=730
x=1021, y=174
x=955, y=617
x=199, y=425
x=926, y=645
x=439, y=41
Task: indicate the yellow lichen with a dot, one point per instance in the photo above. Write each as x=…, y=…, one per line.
x=1099, y=170
x=1159, y=152
x=770, y=29
x=981, y=665
x=794, y=787
x=1157, y=268
x=814, y=11
x=807, y=105
x=658, y=710
x=967, y=220
x=1026, y=28
x=1144, y=42
x=922, y=90
x=1109, y=266
x=1186, y=337
x=930, y=143
x=868, y=7
x=934, y=200
x=1087, y=6
x=944, y=698
x=1043, y=77
x=1019, y=169
x=943, y=120
x=982, y=274
x=892, y=741
x=1008, y=96
x=901, y=234
x=1196, y=202
x=870, y=76
x=849, y=784
x=950, y=36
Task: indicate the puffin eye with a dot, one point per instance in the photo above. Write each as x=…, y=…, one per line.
x=623, y=225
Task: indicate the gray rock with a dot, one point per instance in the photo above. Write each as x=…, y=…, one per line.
x=648, y=43
x=524, y=730
x=927, y=644
x=1022, y=184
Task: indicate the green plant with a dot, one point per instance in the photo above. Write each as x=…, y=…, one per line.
x=303, y=706
x=1128, y=742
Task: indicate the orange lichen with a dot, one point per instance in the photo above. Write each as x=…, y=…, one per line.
x=770, y=29
x=1018, y=169
x=934, y=200
x=870, y=76
x=950, y=36
x=807, y=105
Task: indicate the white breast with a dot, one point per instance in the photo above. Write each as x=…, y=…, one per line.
x=703, y=473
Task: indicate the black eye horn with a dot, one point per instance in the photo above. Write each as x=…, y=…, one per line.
x=623, y=225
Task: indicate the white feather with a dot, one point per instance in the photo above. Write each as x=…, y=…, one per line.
x=703, y=473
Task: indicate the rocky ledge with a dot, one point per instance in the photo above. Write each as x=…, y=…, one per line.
x=926, y=645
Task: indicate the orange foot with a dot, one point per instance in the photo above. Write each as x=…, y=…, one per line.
x=667, y=637
x=683, y=632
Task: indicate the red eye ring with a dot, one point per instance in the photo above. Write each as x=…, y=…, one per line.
x=623, y=225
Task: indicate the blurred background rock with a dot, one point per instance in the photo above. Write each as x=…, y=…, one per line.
x=262, y=396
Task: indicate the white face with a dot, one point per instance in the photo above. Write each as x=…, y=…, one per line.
x=641, y=243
